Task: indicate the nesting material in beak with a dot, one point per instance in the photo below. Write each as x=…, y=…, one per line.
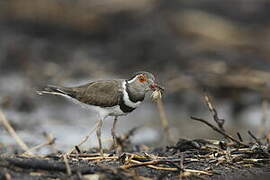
x=157, y=93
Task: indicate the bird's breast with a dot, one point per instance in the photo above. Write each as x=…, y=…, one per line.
x=127, y=99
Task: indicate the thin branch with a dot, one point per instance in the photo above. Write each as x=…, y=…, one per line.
x=67, y=165
x=103, y=158
x=181, y=163
x=213, y=111
x=163, y=119
x=264, y=107
x=219, y=131
x=50, y=141
x=152, y=164
x=255, y=138
x=83, y=140
x=13, y=133
x=78, y=149
x=239, y=137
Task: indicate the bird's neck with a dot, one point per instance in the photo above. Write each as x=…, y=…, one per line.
x=134, y=93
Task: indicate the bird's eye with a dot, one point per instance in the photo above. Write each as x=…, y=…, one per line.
x=141, y=78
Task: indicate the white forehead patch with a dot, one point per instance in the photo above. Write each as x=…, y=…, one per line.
x=133, y=79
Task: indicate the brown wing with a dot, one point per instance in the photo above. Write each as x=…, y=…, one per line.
x=100, y=93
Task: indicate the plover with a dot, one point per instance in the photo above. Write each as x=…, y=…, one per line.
x=116, y=97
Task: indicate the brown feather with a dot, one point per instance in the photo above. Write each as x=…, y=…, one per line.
x=100, y=93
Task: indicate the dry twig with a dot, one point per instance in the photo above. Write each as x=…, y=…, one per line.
x=219, y=131
x=50, y=141
x=152, y=164
x=264, y=106
x=255, y=138
x=67, y=165
x=220, y=122
x=239, y=137
x=181, y=164
x=100, y=158
x=163, y=119
x=13, y=133
x=83, y=140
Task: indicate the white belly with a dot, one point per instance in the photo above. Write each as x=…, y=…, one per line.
x=110, y=111
x=104, y=111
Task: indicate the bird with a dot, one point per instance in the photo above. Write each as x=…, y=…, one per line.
x=115, y=97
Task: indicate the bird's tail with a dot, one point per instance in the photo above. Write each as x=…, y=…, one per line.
x=56, y=90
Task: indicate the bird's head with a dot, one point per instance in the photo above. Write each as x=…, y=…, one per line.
x=144, y=82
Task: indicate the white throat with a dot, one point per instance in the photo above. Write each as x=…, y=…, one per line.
x=126, y=98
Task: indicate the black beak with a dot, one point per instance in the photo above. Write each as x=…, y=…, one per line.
x=160, y=87
x=156, y=87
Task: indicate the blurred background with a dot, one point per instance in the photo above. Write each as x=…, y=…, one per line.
x=189, y=45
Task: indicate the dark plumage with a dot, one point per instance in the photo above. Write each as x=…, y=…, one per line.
x=100, y=93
